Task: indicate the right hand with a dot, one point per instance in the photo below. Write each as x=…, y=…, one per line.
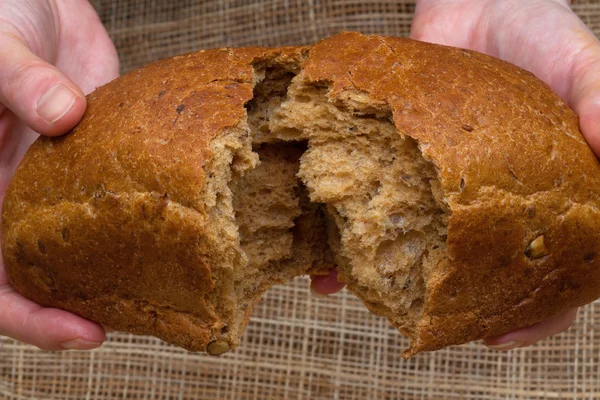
x=51, y=54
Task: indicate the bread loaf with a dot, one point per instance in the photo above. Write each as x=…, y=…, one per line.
x=453, y=191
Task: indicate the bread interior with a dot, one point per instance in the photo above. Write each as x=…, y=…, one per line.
x=335, y=181
x=280, y=233
x=387, y=219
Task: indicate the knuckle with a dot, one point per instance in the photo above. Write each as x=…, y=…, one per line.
x=21, y=74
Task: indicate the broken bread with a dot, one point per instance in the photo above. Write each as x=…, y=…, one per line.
x=453, y=192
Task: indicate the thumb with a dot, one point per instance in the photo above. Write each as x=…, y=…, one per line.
x=584, y=95
x=37, y=92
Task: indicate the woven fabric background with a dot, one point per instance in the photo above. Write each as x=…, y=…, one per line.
x=297, y=346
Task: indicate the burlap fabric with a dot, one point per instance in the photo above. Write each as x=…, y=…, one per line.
x=297, y=346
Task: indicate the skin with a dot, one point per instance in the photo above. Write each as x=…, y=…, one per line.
x=52, y=42
x=542, y=36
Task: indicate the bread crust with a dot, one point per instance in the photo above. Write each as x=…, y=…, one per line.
x=108, y=221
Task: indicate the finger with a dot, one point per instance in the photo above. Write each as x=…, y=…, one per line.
x=588, y=110
x=569, y=60
x=46, y=328
x=98, y=62
x=323, y=285
x=584, y=96
x=449, y=23
x=15, y=139
x=37, y=92
x=527, y=336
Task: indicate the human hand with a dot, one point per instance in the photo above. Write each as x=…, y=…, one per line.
x=52, y=52
x=542, y=36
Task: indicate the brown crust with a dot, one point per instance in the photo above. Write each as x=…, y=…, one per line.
x=512, y=163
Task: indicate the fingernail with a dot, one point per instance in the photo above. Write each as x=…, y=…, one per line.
x=55, y=103
x=315, y=293
x=505, y=346
x=79, y=344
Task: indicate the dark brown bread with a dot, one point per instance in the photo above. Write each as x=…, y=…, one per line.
x=461, y=198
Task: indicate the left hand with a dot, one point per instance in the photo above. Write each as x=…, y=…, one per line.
x=542, y=36
x=51, y=54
